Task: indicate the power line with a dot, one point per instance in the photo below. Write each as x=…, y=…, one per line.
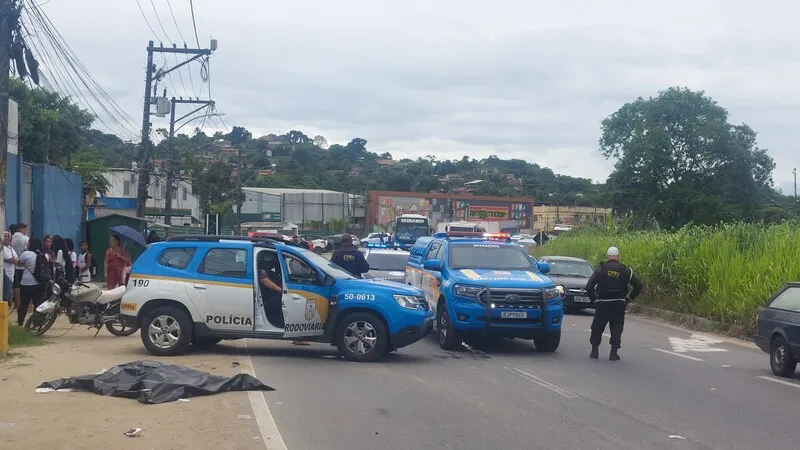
x=194, y=23
x=147, y=21
x=158, y=18
x=175, y=21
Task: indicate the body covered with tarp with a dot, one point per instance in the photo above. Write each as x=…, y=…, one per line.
x=156, y=382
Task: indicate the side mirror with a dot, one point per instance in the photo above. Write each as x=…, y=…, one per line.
x=433, y=264
x=329, y=280
x=543, y=267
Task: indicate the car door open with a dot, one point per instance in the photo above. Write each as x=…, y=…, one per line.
x=306, y=298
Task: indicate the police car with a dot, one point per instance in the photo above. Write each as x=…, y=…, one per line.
x=386, y=263
x=199, y=290
x=483, y=285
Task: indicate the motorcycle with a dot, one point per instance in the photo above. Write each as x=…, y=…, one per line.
x=83, y=304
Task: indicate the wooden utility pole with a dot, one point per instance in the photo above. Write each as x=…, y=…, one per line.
x=5, y=68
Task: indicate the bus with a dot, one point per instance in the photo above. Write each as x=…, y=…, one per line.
x=408, y=228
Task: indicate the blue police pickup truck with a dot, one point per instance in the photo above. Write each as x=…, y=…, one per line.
x=482, y=285
x=199, y=290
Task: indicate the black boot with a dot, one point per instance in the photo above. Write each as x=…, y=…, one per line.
x=613, y=356
x=595, y=352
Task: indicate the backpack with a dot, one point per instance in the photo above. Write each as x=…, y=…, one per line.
x=43, y=271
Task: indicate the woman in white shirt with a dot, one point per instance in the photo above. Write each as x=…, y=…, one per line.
x=10, y=261
x=30, y=290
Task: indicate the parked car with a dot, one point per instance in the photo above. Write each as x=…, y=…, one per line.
x=332, y=241
x=570, y=276
x=318, y=246
x=199, y=290
x=778, y=330
x=374, y=238
x=386, y=263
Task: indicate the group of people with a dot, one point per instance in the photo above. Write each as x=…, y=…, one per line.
x=30, y=263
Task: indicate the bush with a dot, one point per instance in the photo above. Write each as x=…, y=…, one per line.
x=723, y=273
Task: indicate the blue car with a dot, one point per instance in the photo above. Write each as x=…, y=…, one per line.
x=199, y=290
x=482, y=286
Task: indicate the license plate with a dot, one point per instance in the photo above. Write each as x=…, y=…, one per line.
x=514, y=314
x=581, y=300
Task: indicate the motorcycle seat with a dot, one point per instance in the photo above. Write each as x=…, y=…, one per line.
x=111, y=295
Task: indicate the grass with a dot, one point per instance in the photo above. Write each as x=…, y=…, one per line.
x=20, y=337
x=723, y=273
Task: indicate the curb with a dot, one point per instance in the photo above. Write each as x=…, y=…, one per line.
x=690, y=321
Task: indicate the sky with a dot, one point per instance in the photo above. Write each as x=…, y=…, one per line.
x=522, y=79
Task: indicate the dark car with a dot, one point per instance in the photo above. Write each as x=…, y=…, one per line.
x=778, y=330
x=386, y=264
x=570, y=276
x=333, y=241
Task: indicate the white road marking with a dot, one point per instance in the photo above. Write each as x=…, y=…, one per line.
x=676, y=354
x=266, y=423
x=695, y=343
x=545, y=384
x=604, y=334
x=775, y=380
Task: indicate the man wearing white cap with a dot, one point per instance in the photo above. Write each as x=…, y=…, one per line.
x=610, y=299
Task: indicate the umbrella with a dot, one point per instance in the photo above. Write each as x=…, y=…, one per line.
x=128, y=233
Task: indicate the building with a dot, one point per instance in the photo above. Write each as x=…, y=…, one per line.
x=302, y=206
x=384, y=206
x=547, y=217
x=121, y=198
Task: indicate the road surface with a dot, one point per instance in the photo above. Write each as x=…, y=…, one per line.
x=672, y=390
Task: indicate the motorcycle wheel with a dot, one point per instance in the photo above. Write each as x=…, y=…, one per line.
x=118, y=328
x=39, y=323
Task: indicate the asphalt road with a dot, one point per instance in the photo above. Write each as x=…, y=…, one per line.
x=691, y=393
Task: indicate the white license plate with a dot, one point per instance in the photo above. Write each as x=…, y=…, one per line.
x=581, y=300
x=514, y=314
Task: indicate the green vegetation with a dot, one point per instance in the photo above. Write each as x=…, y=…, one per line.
x=20, y=337
x=723, y=273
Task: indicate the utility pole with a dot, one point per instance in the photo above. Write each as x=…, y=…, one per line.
x=794, y=172
x=172, y=159
x=239, y=193
x=5, y=68
x=143, y=156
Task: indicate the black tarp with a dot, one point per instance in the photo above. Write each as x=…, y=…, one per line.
x=156, y=382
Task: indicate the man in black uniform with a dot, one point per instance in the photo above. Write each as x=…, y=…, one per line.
x=349, y=257
x=610, y=300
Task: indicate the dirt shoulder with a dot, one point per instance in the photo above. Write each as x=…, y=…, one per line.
x=77, y=420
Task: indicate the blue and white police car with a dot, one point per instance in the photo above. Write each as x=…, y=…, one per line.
x=199, y=290
x=483, y=285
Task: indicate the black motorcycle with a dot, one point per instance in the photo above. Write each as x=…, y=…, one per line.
x=83, y=304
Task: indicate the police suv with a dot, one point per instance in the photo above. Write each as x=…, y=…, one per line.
x=199, y=290
x=482, y=285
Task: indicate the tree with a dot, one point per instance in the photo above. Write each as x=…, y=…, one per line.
x=320, y=142
x=239, y=136
x=679, y=161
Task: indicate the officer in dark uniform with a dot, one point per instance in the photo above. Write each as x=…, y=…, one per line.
x=349, y=257
x=610, y=300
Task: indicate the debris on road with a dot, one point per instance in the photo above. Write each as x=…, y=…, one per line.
x=153, y=382
x=133, y=432
x=675, y=436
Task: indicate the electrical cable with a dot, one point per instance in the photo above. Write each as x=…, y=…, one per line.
x=194, y=23
x=158, y=18
x=147, y=21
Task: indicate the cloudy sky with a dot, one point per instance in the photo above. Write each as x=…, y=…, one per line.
x=518, y=78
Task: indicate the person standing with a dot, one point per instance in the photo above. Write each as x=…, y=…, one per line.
x=31, y=289
x=610, y=300
x=19, y=242
x=10, y=261
x=349, y=257
x=85, y=263
x=117, y=260
x=72, y=255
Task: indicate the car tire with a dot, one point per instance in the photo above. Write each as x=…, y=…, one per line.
x=319, y=250
x=173, y=322
x=548, y=342
x=354, y=334
x=207, y=342
x=781, y=360
x=449, y=337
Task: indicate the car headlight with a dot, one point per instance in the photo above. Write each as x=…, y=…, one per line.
x=467, y=291
x=55, y=289
x=550, y=293
x=408, y=301
x=560, y=289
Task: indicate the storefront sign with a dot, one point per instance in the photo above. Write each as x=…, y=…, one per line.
x=487, y=213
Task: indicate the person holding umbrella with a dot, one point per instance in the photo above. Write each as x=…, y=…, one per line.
x=117, y=260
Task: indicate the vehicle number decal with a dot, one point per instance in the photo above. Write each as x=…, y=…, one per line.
x=138, y=282
x=368, y=297
x=128, y=306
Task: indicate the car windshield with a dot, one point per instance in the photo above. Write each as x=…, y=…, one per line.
x=387, y=261
x=489, y=256
x=410, y=232
x=559, y=267
x=326, y=266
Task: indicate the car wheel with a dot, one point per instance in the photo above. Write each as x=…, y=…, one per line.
x=548, y=342
x=362, y=337
x=167, y=331
x=449, y=337
x=781, y=359
x=207, y=342
x=319, y=250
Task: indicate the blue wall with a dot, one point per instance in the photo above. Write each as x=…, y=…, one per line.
x=56, y=202
x=13, y=190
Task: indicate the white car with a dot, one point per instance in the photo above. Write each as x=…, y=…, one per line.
x=374, y=238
